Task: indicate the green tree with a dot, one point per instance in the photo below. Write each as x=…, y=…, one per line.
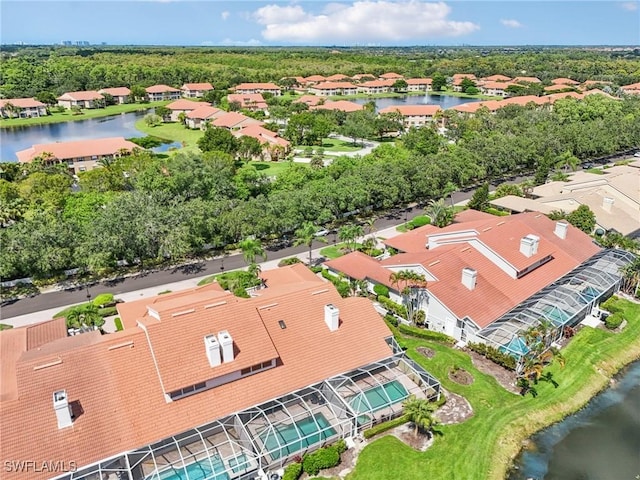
x=438, y=82
x=413, y=288
x=305, y=235
x=219, y=140
x=400, y=85
x=582, y=218
x=441, y=215
x=467, y=84
x=480, y=199
x=163, y=112
x=85, y=315
x=358, y=125
x=420, y=413
x=252, y=248
x=248, y=148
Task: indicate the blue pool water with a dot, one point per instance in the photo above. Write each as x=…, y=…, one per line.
x=376, y=398
x=200, y=470
x=296, y=436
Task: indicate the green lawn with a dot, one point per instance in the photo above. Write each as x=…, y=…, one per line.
x=271, y=169
x=333, y=145
x=483, y=446
x=68, y=116
x=175, y=131
x=335, y=251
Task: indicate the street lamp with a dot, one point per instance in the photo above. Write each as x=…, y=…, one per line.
x=88, y=294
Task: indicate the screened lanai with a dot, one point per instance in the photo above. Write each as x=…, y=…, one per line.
x=565, y=302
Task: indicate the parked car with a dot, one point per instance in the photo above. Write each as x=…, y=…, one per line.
x=322, y=233
x=637, y=154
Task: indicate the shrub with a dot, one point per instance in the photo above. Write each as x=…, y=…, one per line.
x=426, y=334
x=381, y=290
x=420, y=221
x=393, y=307
x=613, y=321
x=316, y=269
x=391, y=320
x=326, y=457
x=611, y=305
x=496, y=212
x=118, y=323
x=419, y=317
x=289, y=261
x=5, y=326
x=493, y=354
x=108, y=311
x=340, y=446
x=293, y=471
x=104, y=300
x=383, y=427
x=341, y=286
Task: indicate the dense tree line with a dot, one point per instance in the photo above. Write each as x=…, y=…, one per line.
x=50, y=71
x=150, y=208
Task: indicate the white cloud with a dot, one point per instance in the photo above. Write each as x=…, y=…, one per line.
x=362, y=22
x=511, y=23
x=630, y=6
x=240, y=43
x=224, y=15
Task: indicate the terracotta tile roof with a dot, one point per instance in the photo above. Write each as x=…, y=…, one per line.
x=473, y=107
x=203, y=113
x=115, y=383
x=342, y=105
x=263, y=135
x=248, y=100
x=77, y=149
x=559, y=96
x=525, y=100
x=257, y=86
x=336, y=77
x=458, y=77
x=413, y=110
x=197, y=86
x=334, y=86
x=557, y=87
x=310, y=100
x=391, y=76
x=588, y=83
x=360, y=266
x=13, y=343
x=378, y=83
x=161, y=89
x=597, y=91
x=186, y=105
x=564, y=81
x=497, y=78
x=496, y=85
x=526, y=80
x=234, y=119
x=419, y=81
x=315, y=78
x=116, y=91
x=81, y=96
x=360, y=76
x=45, y=332
x=21, y=102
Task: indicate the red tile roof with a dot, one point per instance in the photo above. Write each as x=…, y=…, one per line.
x=81, y=96
x=419, y=81
x=378, y=83
x=557, y=87
x=342, y=105
x=197, y=86
x=413, y=110
x=116, y=91
x=77, y=149
x=310, y=100
x=186, y=105
x=263, y=135
x=497, y=78
x=203, y=113
x=161, y=89
x=248, y=100
x=21, y=102
x=115, y=381
x=234, y=119
x=391, y=76
x=334, y=86
x=257, y=86
x=564, y=81
x=336, y=77
x=315, y=78
x=526, y=80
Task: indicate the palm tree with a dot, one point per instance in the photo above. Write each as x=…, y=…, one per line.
x=413, y=288
x=305, y=235
x=631, y=277
x=251, y=248
x=370, y=223
x=420, y=413
x=440, y=214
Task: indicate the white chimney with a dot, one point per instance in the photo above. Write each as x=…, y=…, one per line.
x=469, y=277
x=62, y=408
x=212, y=348
x=226, y=342
x=607, y=203
x=561, y=230
x=331, y=316
x=529, y=245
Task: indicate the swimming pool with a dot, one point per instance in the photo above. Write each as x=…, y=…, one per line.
x=284, y=440
x=377, y=398
x=205, y=469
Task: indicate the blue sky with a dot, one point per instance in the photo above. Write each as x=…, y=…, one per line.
x=345, y=23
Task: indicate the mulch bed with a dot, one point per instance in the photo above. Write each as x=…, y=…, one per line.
x=460, y=376
x=427, y=352
x=505, y=377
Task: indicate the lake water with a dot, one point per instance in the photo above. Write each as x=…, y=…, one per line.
x=15, y=139
x=600, y=442
x=445, y=101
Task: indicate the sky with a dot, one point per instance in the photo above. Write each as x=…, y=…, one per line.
x=321, y=23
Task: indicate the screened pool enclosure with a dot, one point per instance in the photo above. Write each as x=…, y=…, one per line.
x=272, y=434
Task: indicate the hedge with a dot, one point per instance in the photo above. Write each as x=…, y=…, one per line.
x=341, y=286
x=394, y=307
x=293, y=471
x=381, y=290
x=289, y=261
x=611, y=305
x=426, y=334
x=383, y=427
x=118, y=323
x=104, y=300
x=322, y=458
x=420, y=221
x=108, y=311
x=493, y=354
x=613, y=321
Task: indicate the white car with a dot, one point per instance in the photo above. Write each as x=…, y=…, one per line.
x=321, y=233
x=637, y=154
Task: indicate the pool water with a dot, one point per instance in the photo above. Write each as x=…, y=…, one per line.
x=379, y=397
x=284, y=440
x=239, y=463
x=200, y=470
x=557, y=316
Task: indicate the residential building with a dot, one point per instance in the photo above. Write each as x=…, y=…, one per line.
x=202, y=383
x=271, y=88
x=88, y=99
x=419, y=84
x=195, y=90
x=313, y=79
x=414, y=115
x=524, y=80
x=330, y=89
x=564, y=81
x=472, y=107
x=22, y=108
x=310, y=100
x=491, y=278
x=559, y=87
x=613, y=197
x=496, y=78
x=248, y=101
x=372, y=87
x=158, y=93
x=341, y=105
x=202, y=116
x=632, y=89
x=456, y=80
x=391, y=76
x=120, y=94
x=496, y=89
x=274, y=147
x=183, y=106
x=234, y=121
x=80, y=155
x=363, y=77
x=337, y=77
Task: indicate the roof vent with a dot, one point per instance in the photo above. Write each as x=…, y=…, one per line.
x=62, y=408
x=607, y=203
x=212, y=349
x=226, y=342
x=469, y=277
x=529, y=245
x=561, y=229
x=331, y=316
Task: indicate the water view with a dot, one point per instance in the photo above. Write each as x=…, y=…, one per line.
x=15, y=139
x=600, y=442
x=445, y=101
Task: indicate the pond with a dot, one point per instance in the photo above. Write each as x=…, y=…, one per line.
x=15, y=139
x=600, y=442
x=445, y=101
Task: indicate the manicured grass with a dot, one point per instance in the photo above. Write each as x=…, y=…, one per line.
x=335, y=251
x=332, y=145
x=175, y=132
x=415, y=222
x=65, y=312
x=451, y=93
x=271, y=169
x=483, y=446
x=68, y=116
